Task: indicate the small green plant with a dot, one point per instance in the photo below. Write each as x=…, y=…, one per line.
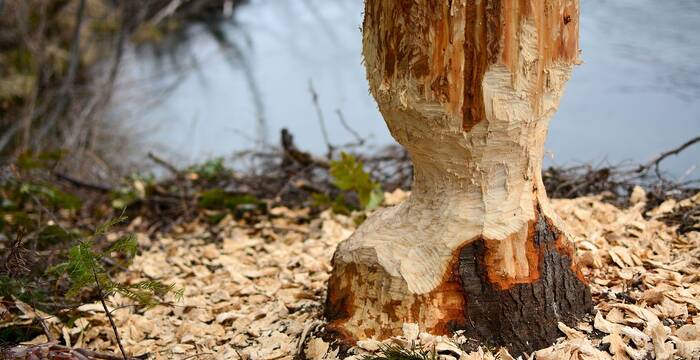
x=85, y=269
x=211, y=170
x=349, y=175
x=396, y=352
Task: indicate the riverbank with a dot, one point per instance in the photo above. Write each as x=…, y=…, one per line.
x=60, y=60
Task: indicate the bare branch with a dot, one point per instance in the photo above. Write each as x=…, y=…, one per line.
x=324, y=132
x=657, y=161
x=63, y=96
x=360, y=140
x=82, y=184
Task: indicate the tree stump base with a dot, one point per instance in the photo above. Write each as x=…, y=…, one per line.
x=523, y=317
x=521, y=314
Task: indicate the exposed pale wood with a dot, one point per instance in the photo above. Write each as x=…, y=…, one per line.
x=468, y=87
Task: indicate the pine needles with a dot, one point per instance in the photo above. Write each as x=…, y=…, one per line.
x=85, y=269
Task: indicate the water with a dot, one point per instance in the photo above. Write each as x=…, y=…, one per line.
x=637, y=94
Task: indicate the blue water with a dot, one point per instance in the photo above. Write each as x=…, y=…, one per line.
x=637, y=93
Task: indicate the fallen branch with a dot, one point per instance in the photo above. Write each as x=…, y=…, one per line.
x=301, y=157
x=82, y=184
x=656, y=161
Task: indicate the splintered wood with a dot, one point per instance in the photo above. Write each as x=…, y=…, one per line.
x=468, y=88
x=257, y=292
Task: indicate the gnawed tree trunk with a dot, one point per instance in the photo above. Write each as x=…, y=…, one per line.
x=468, y=87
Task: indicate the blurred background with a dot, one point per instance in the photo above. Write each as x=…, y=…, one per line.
x=197, y=119
x=191, y=80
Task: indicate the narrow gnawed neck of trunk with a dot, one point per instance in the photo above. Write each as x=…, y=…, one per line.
x=494, y=186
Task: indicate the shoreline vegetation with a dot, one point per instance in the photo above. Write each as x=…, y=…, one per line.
x=75, y=231
x=228, y=229
x=60, y=59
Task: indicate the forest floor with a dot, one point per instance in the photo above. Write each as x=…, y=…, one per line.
x=257, y=291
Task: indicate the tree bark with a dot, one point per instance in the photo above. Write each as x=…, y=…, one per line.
x=468, y=88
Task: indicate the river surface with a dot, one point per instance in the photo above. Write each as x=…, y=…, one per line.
x=636, y=95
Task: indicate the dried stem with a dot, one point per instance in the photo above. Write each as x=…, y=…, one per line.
x=360, y=140
x=322, y=122
x=101, y=295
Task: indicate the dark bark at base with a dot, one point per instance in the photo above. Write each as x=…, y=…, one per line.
x=523, y=317
x=520, y=313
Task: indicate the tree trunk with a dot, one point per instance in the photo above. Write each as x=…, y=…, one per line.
x=468, y=87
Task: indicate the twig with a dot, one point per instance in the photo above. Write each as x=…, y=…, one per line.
x=655, y=162
x=160, y=161
x=100, y=294
x=309, y=328
x=41, y=321
x=73, y=63
x=166, y=11
x=106, y=90
x=322, y=122
x=298, y=156
x=197, y=355
x=360, y=139
x=82, y=184
x=52, y=347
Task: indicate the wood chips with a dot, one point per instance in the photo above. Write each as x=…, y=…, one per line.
x=257, y=292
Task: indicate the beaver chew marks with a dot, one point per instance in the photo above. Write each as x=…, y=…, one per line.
x=468, y=88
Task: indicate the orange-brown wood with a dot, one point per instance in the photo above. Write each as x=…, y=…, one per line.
x=468, y=87
x=450, y=49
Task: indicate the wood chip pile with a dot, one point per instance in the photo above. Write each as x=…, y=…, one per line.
x=257, y=292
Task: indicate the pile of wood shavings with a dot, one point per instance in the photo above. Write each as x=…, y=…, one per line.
x=257, y=292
